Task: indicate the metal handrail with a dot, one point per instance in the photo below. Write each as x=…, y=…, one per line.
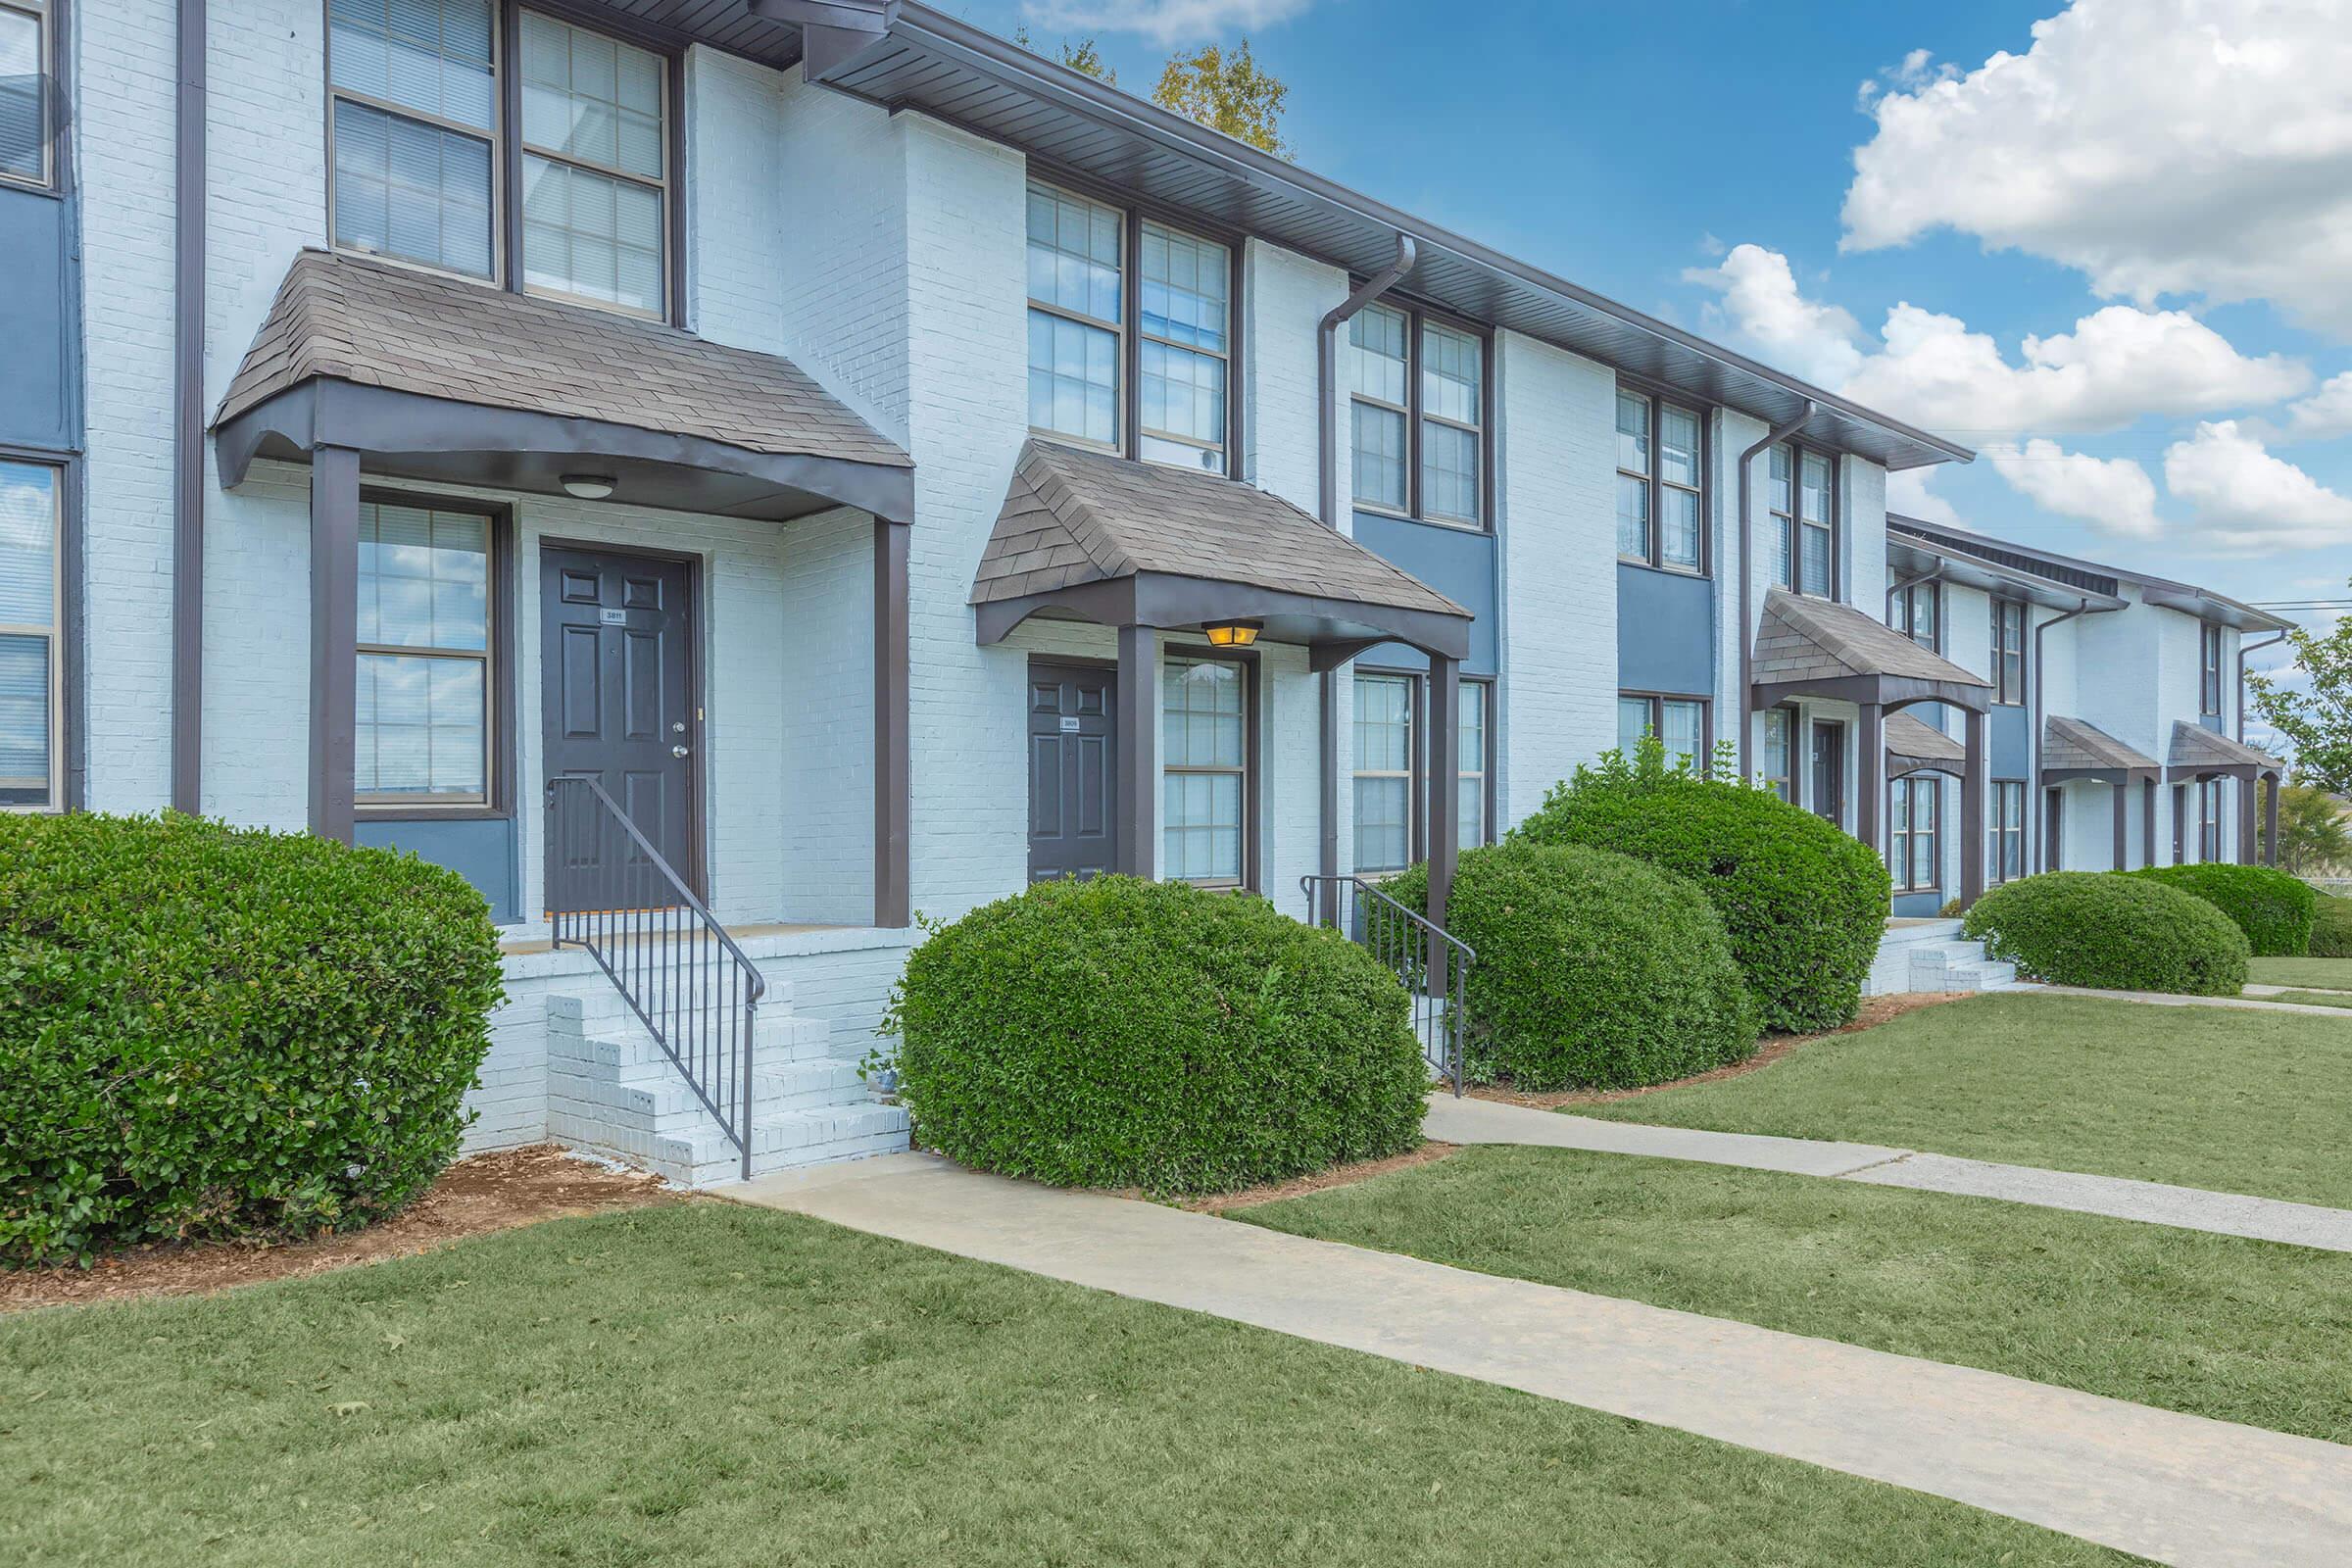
x=612, y=893
x=1431, y=962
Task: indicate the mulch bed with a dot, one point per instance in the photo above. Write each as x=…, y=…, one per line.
x=1320, y=1181
x=1876, y=1011
x=474, y=1197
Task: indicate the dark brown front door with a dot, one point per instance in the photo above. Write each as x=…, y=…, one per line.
x=1829, y=771
x=1072, y=735
x=617, y=687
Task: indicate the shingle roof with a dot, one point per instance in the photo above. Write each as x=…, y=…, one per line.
x=1913, y=742
x=2195, y=746
x=353, y=318
x=2068, y=744
x=1073, y=518
x=1803, y=638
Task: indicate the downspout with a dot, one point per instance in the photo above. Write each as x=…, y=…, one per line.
x=187, y=419
x=1747, y=579
x=1920, y=581
x=1327, y=464
x=2033, y=741
x=2242, y=650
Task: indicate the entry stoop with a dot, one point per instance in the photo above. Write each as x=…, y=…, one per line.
x=1932, y=956
x=611, y=1091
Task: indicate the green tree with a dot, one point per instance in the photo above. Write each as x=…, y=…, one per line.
x=2316, y=722
x=2314, y=835
x=1227, y=93
x=1080, y=57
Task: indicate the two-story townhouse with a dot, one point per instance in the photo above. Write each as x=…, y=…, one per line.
x=795, y=445
x=2118, y=724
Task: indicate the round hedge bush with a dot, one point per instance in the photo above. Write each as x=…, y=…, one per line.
x=1124, y=1033
x=1593, y=970
x=208, y=1032
x=2114, y=933
x=2331, y=927
x=2274, y=910
x=1803, y=904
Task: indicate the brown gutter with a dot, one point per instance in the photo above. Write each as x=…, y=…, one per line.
x=187, y=419
x=1327, y=496
x=1748, y=578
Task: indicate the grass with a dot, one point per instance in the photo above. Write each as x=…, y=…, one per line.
x=2313, y=998
x=2325, y=973
x=711, y=1385
x=2233, y=1099
x=2217, y=1326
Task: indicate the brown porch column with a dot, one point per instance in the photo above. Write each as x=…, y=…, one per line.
x=2123, y=824
x=2147, y=821
x=1137, y=761
x=2247, y=849
x=1973, y=787
x=2270, y=821
x=894, y=781
x=335, y=638
x=1870, y=776
x=1445, y=794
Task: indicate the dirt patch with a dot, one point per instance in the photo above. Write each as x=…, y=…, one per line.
x=1876, y=1011
x=474, y=1197
x=1321, y=1181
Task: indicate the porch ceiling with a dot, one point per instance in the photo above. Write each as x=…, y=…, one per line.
x=1126, y=543
x=434, y=379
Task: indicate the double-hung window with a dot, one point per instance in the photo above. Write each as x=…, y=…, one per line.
x=2209, y=658
x=1780, y=752
x=2008, y=829
x=595, y=168
x=1470, y=816
x=1803, y=506
x=1660, y=503
x=1911, y=839
x=414, y=120
x=1916, y=607
x=32, y=697
x=2209, y=819
x=1186, y=348
x=2008, y=652
x=1077, y=317
x=1204, y=746
x=1383, y=770
x=25, y=144
x=1417, y=395
x=1679, y=723
x=424, y=678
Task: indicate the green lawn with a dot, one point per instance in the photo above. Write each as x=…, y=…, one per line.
x=709, y=1385
x=2217, y=1326
x=2231, y=1098
x=2313, y=998
x=2328, y=974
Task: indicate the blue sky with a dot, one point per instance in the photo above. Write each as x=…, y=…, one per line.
x=2140, y=161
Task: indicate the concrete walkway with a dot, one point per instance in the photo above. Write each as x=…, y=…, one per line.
x=2167, y=999
x=2267, y=1219
x=2256, y=993
x=2175, y=1488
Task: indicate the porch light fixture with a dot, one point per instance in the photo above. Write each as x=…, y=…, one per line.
x=588, y=486
x=1233, y=633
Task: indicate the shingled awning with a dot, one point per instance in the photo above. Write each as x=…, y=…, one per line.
x=1808, y=647
x=435, y=378
x=1914, y=746
x=1142, y=544
x=2072, y=749
x=2201, y=753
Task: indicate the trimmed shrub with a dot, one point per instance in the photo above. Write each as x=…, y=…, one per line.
x=2114, y=933
x=1593, y=970
x=1124, y=1033
x=2274, y=910
x=2331, y=927
x=209, y=1032
x=1803, y=904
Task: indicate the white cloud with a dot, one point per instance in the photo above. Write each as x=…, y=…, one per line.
x=2113, y=495
x=2323, y=416
x=2160, y=146
x=2119, y=362
x=1911, y=493
x=2247, y=499
x=1165, y=21
x=1915, y=71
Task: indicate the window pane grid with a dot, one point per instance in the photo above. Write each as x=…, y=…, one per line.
x=422, y=720
x=31, y=702
x=1202, y=744
x=24, y=94
x=593, y=168
x=1076, y=309
x=414, y=114
x=1470, y=816
x=1778, y=756
x=1659, y=507
x=1185, y=301
x=1384, y=763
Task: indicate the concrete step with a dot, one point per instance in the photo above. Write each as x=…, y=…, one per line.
x=783, y=1141
x=1932, y=956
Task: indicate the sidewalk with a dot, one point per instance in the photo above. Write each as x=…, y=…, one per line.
x=2178, y=1489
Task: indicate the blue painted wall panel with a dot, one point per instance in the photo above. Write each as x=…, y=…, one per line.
x=1916, y=906
x=36, y=389
x=1457, y=563
x=2009, y=741
x=1665, y=631
x=480, y=849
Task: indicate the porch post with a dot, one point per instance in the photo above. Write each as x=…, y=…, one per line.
x=1972, y=847
x=2147, y=821
x=334, y=639
x=1444, y=796
x=1136, y=759
x=1327, y=902
x=2123, y=828
x=2246, y=847
x=2270, y=822
x=893, y=771
x=1870, y=778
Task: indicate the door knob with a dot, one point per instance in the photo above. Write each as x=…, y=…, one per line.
x=678, y=750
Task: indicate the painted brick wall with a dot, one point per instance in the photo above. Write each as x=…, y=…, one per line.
x=826, y=771
x=1285, y=297
x=1556, y=520
x=735, y=200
